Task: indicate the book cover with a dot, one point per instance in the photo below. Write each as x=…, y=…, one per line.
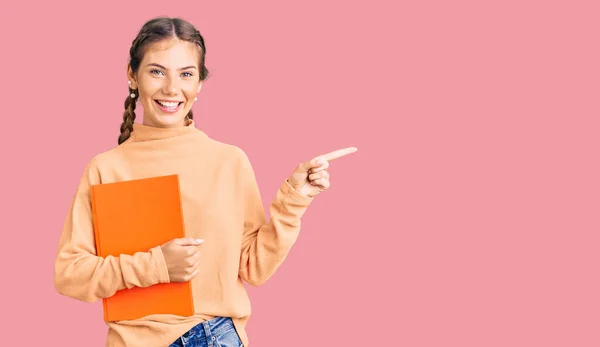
x=135, y=216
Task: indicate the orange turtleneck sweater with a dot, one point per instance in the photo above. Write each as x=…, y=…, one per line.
x=221, y=204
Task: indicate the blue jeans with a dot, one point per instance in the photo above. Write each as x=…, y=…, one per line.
x=217, y=332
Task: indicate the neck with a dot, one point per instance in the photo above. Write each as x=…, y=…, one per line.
x=147, y=132
x=148, y=122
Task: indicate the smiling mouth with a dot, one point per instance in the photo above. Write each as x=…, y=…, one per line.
x=168, y=106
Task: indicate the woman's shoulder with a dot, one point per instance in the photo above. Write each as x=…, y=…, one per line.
x=99, y=162
x=101, y=158
x=226, y=150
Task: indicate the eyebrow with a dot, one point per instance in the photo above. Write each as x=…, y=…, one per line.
x=164, y=68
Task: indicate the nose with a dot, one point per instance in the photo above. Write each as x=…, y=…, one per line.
x=170, y=87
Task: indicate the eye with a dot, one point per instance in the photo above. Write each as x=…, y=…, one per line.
x=155, y=71
x=188, y=74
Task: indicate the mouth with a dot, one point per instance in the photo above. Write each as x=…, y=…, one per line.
x=168, y=106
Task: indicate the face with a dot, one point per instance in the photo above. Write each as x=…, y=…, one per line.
x=167, y=81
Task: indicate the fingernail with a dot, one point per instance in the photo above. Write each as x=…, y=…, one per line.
x=320, y=161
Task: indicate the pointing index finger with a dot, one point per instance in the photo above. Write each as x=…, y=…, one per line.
x=338, y=153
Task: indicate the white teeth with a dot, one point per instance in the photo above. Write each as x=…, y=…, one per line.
x=168, y=104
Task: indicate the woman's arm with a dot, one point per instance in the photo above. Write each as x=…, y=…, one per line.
x=265, y=244
x=80, y=274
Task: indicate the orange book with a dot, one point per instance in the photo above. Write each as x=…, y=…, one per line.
x=134, y=216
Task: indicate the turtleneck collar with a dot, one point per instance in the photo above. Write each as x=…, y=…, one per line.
x=142, y=132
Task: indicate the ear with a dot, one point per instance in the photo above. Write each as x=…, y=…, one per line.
x=131, y=77
x=199, y=87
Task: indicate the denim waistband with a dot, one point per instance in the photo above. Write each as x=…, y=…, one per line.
x=215, y=326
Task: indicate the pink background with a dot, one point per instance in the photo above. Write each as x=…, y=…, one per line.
x=468, y=217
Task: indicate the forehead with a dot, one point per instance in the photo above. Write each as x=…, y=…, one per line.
x=172, y=53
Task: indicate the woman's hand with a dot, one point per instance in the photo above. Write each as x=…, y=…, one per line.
x=311, y=177
x=182, y=257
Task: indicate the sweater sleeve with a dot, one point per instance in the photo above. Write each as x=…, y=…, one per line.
x=80, y=274
x=266, y=244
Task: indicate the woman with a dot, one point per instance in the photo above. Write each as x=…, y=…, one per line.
x=227, y=238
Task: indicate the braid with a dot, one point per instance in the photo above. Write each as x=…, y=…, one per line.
x=128, y=118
